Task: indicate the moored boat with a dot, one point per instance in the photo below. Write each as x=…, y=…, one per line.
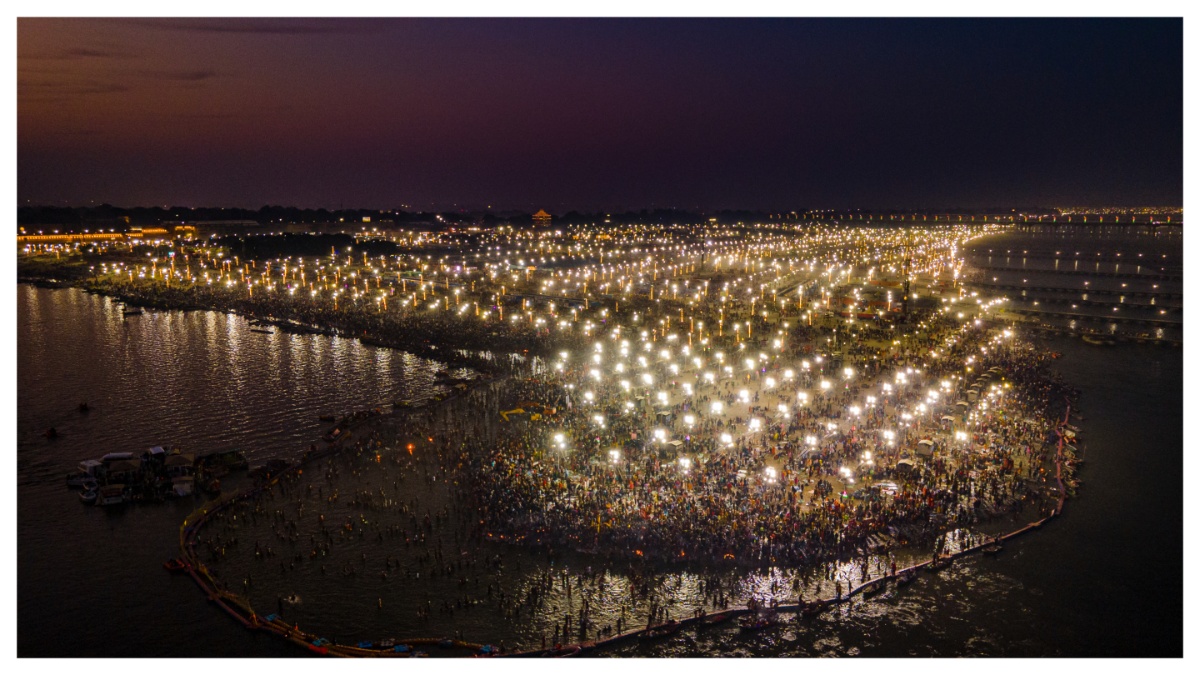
x=82, y=479
x=111, y=495
x=182, y=486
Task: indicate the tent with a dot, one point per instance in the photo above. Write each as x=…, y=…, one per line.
x=182, y=459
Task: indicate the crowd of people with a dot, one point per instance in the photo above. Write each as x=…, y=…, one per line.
x=817, y=480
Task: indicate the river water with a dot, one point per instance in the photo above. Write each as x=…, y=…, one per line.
x=1105, y=579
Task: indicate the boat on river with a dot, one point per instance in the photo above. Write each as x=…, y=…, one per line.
x=111, y=495
x=87, y=474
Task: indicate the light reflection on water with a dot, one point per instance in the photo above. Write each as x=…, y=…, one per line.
x=199, y=380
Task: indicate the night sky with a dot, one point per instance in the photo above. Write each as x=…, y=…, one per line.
x=610, y=113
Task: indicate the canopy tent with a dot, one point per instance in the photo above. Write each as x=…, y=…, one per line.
x=182, y=459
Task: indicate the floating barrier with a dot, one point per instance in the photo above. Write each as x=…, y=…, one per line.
x=1149, y=276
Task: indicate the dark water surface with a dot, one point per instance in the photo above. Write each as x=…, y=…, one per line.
x=1105, y=579
x=90, y=581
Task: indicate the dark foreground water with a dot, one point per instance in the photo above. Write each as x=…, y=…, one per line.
x=1106, y=579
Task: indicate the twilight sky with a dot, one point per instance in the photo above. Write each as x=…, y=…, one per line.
x=600, y=113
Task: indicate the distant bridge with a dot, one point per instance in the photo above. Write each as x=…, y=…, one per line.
x=69, y=237
x=1151, y=220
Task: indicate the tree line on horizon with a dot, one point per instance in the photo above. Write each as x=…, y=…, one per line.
x=109, y=216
